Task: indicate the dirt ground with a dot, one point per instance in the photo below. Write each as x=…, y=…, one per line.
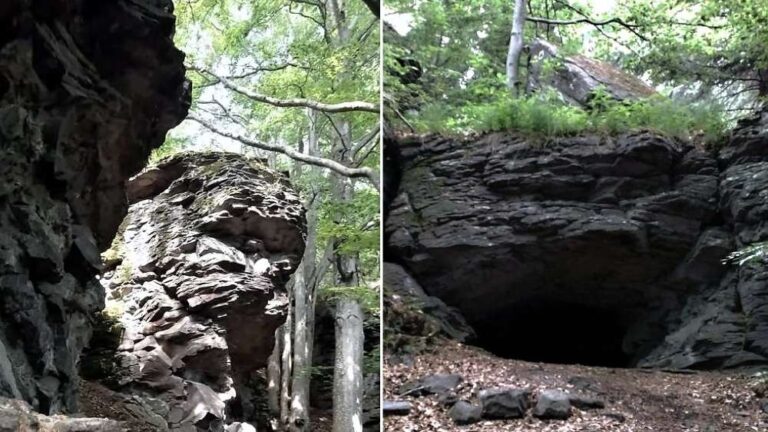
x=99, y=401
x=636, y=400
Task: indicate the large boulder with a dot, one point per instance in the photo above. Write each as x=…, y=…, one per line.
x=504, y=403
x=87, y=90
x=197, y=284
x=601, y=248
x=447, y=319
x=577, y=77
x=552, y=405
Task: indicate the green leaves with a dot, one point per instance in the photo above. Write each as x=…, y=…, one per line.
x=708, y=56
x=543, y=115
x=365, y=295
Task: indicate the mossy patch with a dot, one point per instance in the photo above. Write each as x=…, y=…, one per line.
x=116, y=252
x=99, y=360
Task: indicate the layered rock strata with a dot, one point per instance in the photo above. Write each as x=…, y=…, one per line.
x=627, y=232
x=87, y=90
x=197, y=286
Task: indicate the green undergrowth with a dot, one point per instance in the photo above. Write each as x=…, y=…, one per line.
x=545, y=116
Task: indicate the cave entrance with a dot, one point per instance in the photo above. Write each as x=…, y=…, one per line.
x=556, y=332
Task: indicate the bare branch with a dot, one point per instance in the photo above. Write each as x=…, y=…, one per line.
x=227, y=114
x=619, y=21
x=600, y=30
x=295, y=102
x=367, y=173
x=362, y=143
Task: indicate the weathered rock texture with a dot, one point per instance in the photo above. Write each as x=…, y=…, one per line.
x=87, y=89
x=199, y=285
x=577, y=77
x=605, y=248
x=16, y=415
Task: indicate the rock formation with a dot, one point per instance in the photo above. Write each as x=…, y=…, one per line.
x=577, y=77
x=16, y=415
x=197, y=286
x=87, y=89
x=598, y=251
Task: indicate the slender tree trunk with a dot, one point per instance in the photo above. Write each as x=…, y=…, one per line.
x=347, y=371
x=515, y=46
x=762, y=76
x=304, y=310
x=348, y=363
x=286, y=364
x=274, y=380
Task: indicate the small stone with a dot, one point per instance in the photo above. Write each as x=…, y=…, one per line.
x=585, y=383
x=464, y=413
x=619, y=417
x=764, y=405
x=552, y=404
x=504, y=403
x=432, y=384
x=398, y=408
x=583, y=402
x=447, y=399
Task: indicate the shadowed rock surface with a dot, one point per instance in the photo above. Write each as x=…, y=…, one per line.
x=87, y=90
x=197, y=284
x=585, y=249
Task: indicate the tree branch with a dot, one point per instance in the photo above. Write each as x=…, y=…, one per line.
x=367, y=173
x=619, y=21
x=294, y=102
x=602, y=32
x=364, y=141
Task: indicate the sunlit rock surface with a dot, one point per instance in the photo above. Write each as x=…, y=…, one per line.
x=197, y=284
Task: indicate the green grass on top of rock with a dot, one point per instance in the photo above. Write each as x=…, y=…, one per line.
x=543, y=115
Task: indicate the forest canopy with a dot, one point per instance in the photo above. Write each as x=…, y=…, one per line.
x=707, y=60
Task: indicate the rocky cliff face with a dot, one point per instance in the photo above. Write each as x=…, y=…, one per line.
x=87, y=89
x=606, y=249
x=196, y=286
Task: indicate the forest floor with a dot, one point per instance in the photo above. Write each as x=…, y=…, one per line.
x=98, y=401
x=636, y=399
x=322, y=420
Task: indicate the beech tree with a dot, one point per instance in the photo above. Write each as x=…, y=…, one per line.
x=515, y=46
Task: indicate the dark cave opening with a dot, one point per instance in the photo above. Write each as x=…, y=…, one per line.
x=549, y=331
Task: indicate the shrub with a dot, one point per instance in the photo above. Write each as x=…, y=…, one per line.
x=546, y=115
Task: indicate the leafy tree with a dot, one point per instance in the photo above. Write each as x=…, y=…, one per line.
x=709, y=52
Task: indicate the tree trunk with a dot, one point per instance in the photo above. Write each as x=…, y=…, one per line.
x=347, y=371
x=286, y=365
x=348, y=363
x=274, y=380
x=516, y=46
x=304, y=310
